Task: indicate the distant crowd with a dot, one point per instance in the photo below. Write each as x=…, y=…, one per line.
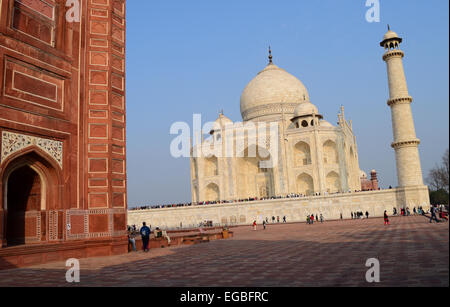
x=251, y=199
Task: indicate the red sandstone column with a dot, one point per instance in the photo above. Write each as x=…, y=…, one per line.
x=105, y=118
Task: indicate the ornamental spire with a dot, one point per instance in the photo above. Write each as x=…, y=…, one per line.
x=270, y=56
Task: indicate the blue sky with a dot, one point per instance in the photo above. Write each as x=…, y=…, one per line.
x=186, y=57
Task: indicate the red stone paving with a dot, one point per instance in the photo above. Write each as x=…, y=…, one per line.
x=411, y=251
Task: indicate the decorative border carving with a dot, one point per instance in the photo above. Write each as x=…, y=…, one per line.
x=405, y=100
x=415, y=142
x=396, y=53
x=13, y=142
x=269, y=109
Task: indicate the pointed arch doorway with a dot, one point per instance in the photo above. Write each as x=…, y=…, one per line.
x=30, y=187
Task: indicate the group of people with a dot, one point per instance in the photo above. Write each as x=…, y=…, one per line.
x=250, y=199
x=310, y=219
x=358, y=215
x=145, y=232
x=266, y=222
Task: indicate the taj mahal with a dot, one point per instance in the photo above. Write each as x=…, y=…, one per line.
x=317, y=166
x=315, y=157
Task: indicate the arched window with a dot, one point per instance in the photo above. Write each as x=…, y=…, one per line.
x=330, y=153
x=302, y=154
x=333, y=183
x=212, y=192
x=211, y=167
x=304, y=124
x=305, y=184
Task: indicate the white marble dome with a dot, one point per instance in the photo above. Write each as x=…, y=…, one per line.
x=270, y=88
x=305, y=109
x=390, y=35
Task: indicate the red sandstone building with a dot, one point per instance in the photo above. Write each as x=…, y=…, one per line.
x=369, y=184
x=62, y=131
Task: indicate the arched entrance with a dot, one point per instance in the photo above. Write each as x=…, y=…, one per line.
x=31, y=185
x=24, y=204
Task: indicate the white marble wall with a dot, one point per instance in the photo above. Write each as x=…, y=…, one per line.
x=295, y=210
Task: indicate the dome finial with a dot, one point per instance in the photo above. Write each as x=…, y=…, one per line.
x=270, y=56
x=389, y=27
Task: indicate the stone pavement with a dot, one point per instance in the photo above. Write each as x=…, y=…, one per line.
x=411, y=252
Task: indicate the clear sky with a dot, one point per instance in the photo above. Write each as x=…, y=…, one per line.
x=186, y=57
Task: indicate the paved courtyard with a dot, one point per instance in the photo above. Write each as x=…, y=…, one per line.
x=411, y=252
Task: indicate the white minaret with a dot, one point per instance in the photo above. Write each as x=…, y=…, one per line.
x=409, y=171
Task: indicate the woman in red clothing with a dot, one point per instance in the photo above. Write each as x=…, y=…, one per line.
x=254, y=225
x=386, y=218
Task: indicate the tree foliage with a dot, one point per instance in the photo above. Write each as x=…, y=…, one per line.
x=438, y=176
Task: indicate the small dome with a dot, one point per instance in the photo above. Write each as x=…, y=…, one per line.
x=373, y=171
x=390, y=35
x=305, y=109
x=325, y=123
x=271, y=86
x=362, y=174
x=221, y=122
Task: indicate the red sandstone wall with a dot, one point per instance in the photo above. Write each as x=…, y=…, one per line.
x=65, y=81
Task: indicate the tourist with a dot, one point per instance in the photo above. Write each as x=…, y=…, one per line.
x=254, y=225
x=321, y=218
x=342, y=217
x=312, y=219
x=414, y=211
x=317, y=217
x=145, y=234
x=284, y=219
x=132, y=238
x=352, y=215
x=308, y=220
x=386, y=218
x=278, y=219
x=433, y=214
x=264, y=225
x=273, y=219
x=367, y=214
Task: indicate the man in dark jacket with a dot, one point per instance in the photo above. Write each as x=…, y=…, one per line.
x=145, y=234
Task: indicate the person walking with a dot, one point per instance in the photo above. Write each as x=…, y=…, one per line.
x=145, y=234
x=264, y=225
x=342, y=217
x=367, y=214
x=433, y=214
x=312, y=219
x=308, y=220
x=352, y=215
x=254, y=225
x=321, y=218
x=386, y=218
x=284, y=219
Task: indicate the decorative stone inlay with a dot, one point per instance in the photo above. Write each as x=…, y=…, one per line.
x=415, y=142
x=258, y=111
x=13, y=142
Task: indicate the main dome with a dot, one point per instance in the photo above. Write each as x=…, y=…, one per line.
x=272, y=91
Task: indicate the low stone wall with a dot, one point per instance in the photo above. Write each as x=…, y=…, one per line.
x=295, y=210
